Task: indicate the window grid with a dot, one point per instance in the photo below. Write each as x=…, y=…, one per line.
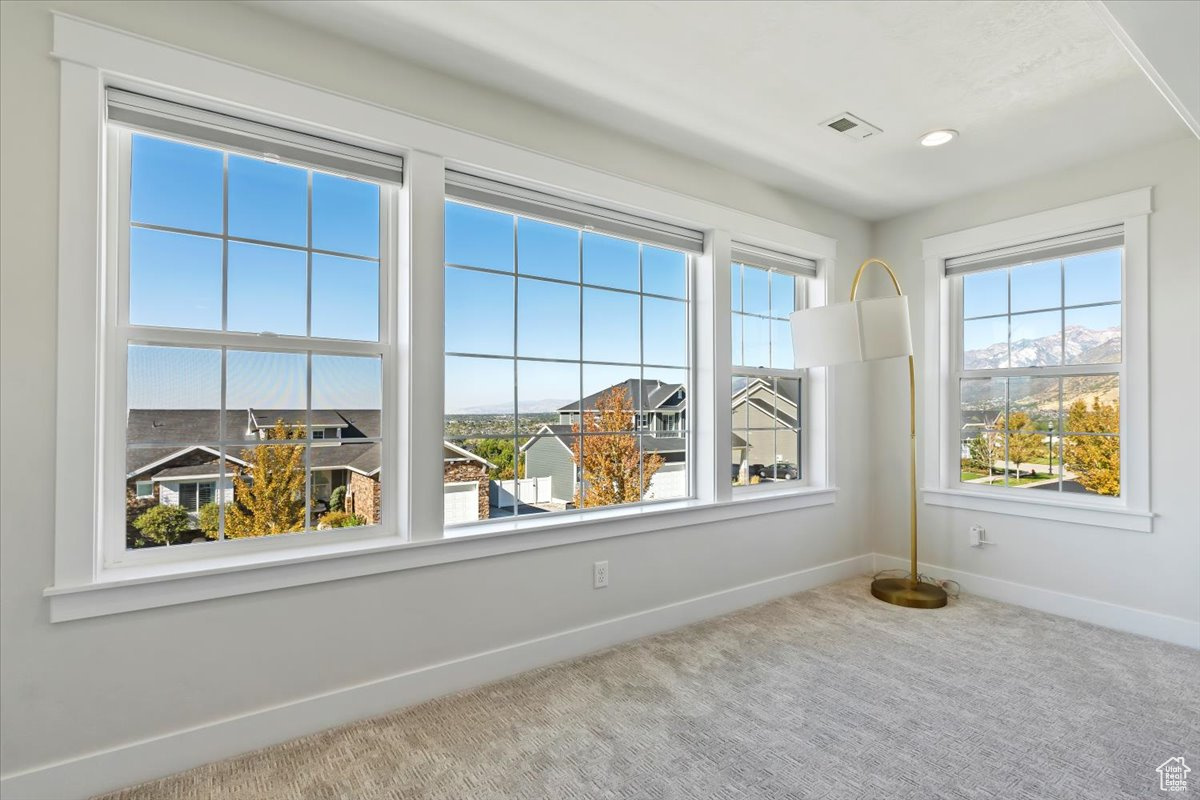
x=1102, y=373
x=131, y=335
x=580, y=437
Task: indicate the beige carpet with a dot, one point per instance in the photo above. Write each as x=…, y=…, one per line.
x=826, y=694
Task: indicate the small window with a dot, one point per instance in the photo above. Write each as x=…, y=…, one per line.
x=145, y=489
x=766, y=394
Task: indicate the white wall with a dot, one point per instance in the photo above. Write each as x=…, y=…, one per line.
x=1157, y=572
x=74, y=688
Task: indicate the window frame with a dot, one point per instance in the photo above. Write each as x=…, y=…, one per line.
x=118, y=334
x=942, y=484
x=800, y=301
x=93, y=57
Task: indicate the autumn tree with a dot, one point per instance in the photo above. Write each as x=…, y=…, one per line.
x=1024, y=440
x=1095, y=460
x=268, y=493
x=614, y=470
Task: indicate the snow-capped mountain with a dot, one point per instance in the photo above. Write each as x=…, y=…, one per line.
x=1084, y=346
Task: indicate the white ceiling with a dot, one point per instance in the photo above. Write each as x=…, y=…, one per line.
x=1031, y=86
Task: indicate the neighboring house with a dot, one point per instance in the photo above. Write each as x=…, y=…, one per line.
x=758, y=412
x=188, y=475
x=663, y=415
x=466, y=486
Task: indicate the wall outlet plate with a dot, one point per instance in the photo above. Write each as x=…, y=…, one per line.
x=600, y=575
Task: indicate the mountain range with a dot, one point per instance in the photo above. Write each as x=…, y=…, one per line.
x=1084, y=346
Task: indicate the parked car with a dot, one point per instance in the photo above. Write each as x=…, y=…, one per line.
x=782, y=471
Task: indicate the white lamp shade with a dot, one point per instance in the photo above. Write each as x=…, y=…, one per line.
x=864, y=330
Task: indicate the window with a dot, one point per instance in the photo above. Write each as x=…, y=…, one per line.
x=253, y=263
x=1042, y=360
x=567, y=360
x=1039, y=371
x=145, y=489
x=765, y=288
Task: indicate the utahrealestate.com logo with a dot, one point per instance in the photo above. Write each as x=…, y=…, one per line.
x=1172, y=775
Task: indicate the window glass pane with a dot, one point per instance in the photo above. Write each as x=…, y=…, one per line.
x=479, y=237
x=175, y=185
x=1033, y=400
x=346, y=384
x=664, y=332
x=1091, y=404
x=480, y=396
x=787, y=402
x=985, y=293
x=479, y=312
x=760, y=456
x=756, y=295
x=173, y=394
x=608, y=261
x=268, y=289
x=599, y=378
x=611, y=326
x=1094, y=335
x=544, y=390
x=1037, y=339
x=548, y=473
x=345, y=215
x=756, y=341
x=985, y=343
x=1093, y=277
x=614, y=469
x=1036, y=286
x=271, y=386
x=981, y=429
x=270, y=493
x=786, y=465
x=174, y=280
x=268, y=201
x=551, y=251
x=783, y=294
x=468, y=493
x=167, y=492
x=781, y=345
x=735, y=286
x=664, y=465
x=1092, y=465
x=664, y=272
x=345, y=298
x=547, y=319
x=742, y=386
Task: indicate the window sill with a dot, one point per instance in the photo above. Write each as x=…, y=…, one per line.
x=1095, y=514
x=133, y=589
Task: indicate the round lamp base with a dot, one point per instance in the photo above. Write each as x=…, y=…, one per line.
x=904, y=592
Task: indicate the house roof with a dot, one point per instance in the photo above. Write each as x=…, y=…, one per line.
x=325, y=418
x=650, y=394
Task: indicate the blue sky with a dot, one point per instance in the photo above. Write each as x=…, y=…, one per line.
x=176, y=278
x=546, y=323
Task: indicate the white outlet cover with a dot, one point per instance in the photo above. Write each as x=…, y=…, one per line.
x=599, y=574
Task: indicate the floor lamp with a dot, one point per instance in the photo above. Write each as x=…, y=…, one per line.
x=869, y=330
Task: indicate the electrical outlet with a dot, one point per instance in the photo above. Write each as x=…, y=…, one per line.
x=600, y=575
x=979, y=536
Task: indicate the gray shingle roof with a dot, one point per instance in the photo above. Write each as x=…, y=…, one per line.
x=649, y=393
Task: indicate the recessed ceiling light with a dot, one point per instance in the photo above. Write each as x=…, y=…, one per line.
x=934, y=138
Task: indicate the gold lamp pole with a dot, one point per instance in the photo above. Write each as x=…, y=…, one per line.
x=911, y=592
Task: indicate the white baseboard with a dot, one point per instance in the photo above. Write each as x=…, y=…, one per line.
x=1176, y=630
x=162, y=755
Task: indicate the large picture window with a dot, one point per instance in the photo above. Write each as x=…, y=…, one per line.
x=250, y=331
x=567, y=367
x=766, y=401
x=1038, y=371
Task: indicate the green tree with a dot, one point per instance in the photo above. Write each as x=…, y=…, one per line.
x=500, y=452
x=613, y=467
x=1025, y=443
x=164, y=524
x=983, y=452
x=210, y=520
x=337, y=499
x=1095, y=460
x=268, y=493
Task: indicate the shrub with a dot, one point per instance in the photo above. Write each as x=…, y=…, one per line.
x=210, y=520
x=164, y=524
x=340, y=519
x=337, y=499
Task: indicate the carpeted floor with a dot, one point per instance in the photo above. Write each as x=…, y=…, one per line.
x=825, y=694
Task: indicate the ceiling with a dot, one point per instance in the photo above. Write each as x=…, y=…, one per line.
x=1032, y=86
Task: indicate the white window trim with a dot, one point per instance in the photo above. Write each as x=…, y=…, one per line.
x=92, y=56
x=1132, y=511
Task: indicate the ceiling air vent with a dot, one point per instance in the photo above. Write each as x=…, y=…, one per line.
x=851, y=126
